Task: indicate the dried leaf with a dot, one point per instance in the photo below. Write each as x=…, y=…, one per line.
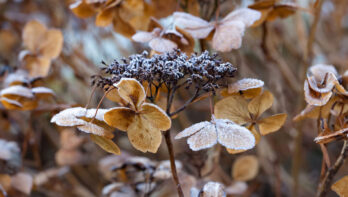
x=245, y=168
x=340, y=187
x=106, y=144
x=261, y=103
x=234, y=108
x=271, y=124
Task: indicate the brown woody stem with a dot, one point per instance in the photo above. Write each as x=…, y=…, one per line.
x=331, y=172
x=170, y=96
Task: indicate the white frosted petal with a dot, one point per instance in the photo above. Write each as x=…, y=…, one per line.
x=196, y=26
x=205, y=138
x=245, y=84
x=68, y=117
x=17, y=90
x=162, y=45
x=246, y=15
x=42, y=90
x=213, y=189
x=192, y=129
x=228, y=36
x=234, y=136
x=143, y=36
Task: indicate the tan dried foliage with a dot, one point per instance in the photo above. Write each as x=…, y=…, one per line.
x=245, y=168
x=340, y=187
x=237, y=109
x=272, y=9
x=142, y=121
x=42, y=45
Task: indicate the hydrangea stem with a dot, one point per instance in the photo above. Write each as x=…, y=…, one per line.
x=172, y=163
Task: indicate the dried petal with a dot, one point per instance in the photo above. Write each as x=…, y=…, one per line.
x=245, y=15
x=33, y=34
x=271, y=124
x=192, y=129
x=162, y=45
x=228, y=36
x=131, y=91
x=213, y=189
x=119, y=117
x=68, y=117
x=245, y=168
x=234, y=136
x=82, y=9
x=143, y=36
x=51, y=44
x=205, y=138
x=143, y=136
x=106, y=144
x=196, y=26
x=340, y=186
x=14, y=92
x=234, y=108
x=315, y=98
x=155, y=116
x=37, y=66
x=105, y=17
x=261, y=103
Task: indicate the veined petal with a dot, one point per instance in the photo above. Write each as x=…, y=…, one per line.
x=131, y=91
x=260, y=103
x=119, y=117
x=205, y=138
x=144, y=137
x=271, y=124
x=192, y=129
x=234, y=108
x=155, y=116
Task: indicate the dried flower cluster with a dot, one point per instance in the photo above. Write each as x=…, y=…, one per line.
x=202, y=71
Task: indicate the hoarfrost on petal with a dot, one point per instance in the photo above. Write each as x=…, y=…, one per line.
x=192, y=129
x=205, y=138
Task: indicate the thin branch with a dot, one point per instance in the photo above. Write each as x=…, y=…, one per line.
x=188, y=102
x=331, y=172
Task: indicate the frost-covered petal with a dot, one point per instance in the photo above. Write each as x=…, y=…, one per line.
x=245, y=15
x=228, y=36
x=315, y=98
x=16, y=91
x=319, y=71
x=192, y=129
x=213, y=189
x=196, y=26
x=162, y=45
x=68, y=117
x=143, y=36
x=205, y=138
x=234, y=136
x=324, y=86
x=245, y=84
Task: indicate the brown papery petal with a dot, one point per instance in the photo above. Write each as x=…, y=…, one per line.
x=340, y=187
x=119, y=117
x=315, y=98
x=51, y=44
x=245, y=168
x=155, y=116
x=234, y=108
x=105, y=17
x=33, y=34
x=37, y=66
x=260, y=103
x=271, y=124
x=122, y=27
x=131, y=91
x=245, y=15
x=144, y=137
x=82, y=9
x=106, y=144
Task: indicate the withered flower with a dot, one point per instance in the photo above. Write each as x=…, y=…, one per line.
x=206, y=134
x=42, y=45
x=228, y=32
x=165, y=40
x=242, y=112
x=142, y=121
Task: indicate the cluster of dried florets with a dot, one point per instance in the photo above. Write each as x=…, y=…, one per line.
x=326, y=94
x=174, y=69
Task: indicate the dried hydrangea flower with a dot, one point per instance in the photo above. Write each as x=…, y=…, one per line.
x=89, y=121
x=228, y=31
x=240, y=111
x=245, y=168
x=204, y=72
x=18, y=97
x=43, y=45
x=165, y=40
x=247, y=87
x=142, y=121
x=206, y=134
